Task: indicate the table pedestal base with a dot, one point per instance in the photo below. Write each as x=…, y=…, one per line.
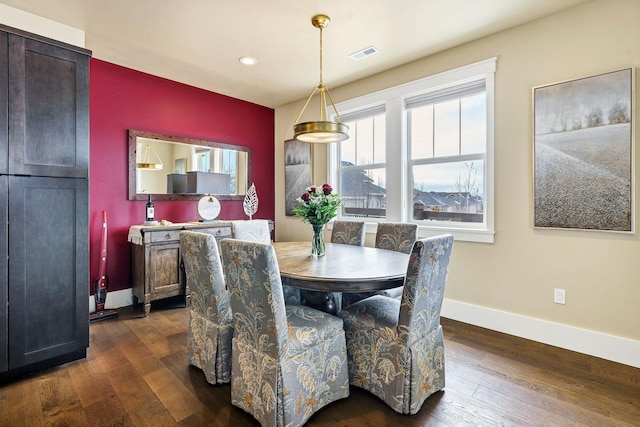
x=329, y=302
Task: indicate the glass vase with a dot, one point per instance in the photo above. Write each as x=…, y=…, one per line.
x=317, y=242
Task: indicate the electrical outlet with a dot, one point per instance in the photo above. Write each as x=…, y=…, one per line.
x=558, y=296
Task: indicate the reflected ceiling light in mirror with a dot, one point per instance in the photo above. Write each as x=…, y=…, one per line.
x=248, y=60
x=323, y=130
x=145, y=160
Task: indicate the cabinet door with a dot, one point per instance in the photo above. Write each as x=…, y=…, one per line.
x=164, y=278
x=48, y=109
x=4, y=103
x=48, y=268
x=4, y=289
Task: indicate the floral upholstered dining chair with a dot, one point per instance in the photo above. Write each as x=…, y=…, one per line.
x=257, y=230
x=348, y=232
x=396, y=236
x=396, y=349
x=392, y=236
x=210, y=328
x=254, y=230
x=288, y=361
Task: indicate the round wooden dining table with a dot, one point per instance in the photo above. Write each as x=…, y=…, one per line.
x=343, y=268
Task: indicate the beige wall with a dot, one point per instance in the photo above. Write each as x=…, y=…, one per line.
x=517, y=274
x=38, y=25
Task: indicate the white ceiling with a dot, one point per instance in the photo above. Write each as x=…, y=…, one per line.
x=198, y=42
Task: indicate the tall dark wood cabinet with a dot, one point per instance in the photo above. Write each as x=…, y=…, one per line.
x=4, y=140
x=4, y=277
x=44, y=202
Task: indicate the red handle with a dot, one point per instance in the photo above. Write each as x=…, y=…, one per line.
x=103, y=246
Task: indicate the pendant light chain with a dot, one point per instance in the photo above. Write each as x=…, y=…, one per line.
x=324, y=107
x=321, y=84
x=324, y=114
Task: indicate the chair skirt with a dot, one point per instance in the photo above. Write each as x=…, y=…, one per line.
x=209, y=348
x=312, y=374
x=402, y=374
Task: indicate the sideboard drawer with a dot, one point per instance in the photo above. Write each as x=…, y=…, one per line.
x=164, y=236
x=217, y=232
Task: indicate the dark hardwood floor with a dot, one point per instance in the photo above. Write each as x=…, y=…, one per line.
x=136, y=373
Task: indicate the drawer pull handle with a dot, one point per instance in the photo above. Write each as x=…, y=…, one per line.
x=167, y=236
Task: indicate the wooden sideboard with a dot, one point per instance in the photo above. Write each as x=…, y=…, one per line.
x=156, y=261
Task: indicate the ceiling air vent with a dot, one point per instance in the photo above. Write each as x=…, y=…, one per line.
x=367, y=51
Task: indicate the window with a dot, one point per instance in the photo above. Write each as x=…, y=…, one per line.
x=203, y=160
x=362, y=165
x=219, y=160
x=422, y=152
x=447, y=145
x=229, y=165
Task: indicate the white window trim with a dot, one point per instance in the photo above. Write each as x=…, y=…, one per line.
x=393, y=98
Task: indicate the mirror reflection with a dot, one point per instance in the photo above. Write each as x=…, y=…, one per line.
x=178, y=168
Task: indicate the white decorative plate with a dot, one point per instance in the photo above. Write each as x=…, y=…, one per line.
x=208, y=208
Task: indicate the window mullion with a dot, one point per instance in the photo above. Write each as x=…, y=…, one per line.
x=459, y=126
x=355, y=156
x=433, y=130
x=363, y=167
x=396, y=170
x=449, y=159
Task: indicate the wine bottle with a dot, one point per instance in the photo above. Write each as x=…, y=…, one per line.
x=150, y=210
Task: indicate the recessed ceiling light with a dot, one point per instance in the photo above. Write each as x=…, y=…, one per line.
x=363, y=53
x=248, y=60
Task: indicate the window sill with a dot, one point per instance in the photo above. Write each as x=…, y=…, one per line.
x=460, y=234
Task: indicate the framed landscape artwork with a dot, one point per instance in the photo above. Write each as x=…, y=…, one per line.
x=297, y=172
x=583, y=153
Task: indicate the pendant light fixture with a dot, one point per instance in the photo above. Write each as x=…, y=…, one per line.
x=323, y=130
x=145, y=160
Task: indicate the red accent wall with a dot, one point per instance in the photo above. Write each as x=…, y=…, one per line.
x=123, y=99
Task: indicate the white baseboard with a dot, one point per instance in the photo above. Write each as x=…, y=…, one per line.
x=609, y=347
x=617, y=349
x=115, y=299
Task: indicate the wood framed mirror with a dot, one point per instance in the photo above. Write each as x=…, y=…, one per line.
x=179, y=168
